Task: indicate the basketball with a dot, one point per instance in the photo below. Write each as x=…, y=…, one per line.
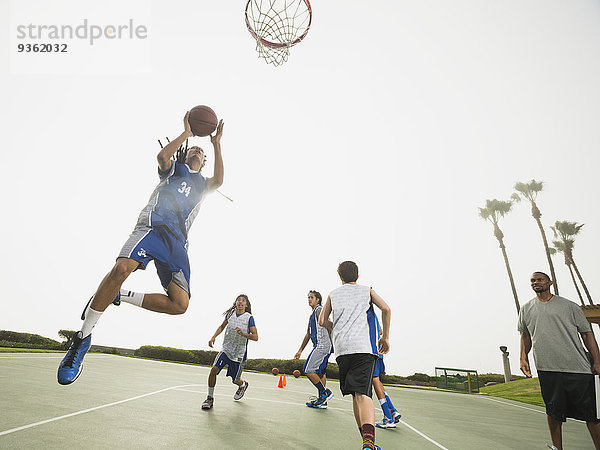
x=203, y=120
x=275, y=371
x=296, y=373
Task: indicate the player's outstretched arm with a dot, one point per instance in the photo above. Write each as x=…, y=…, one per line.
x=303, y=345
x=386, y=317
x=525, y=349
x=592, y=346
x=324, y=317
x=164, y=156
x=217, y=179
x=218, y=332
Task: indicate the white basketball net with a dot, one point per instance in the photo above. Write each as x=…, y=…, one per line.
x=277, y=25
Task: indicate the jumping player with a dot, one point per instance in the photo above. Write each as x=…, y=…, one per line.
x=239, y=327
x=355, y=342
x=391, y=416
x=316, y=364
x=161, y=235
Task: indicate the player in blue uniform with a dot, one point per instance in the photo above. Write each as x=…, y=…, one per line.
x=239, y=327
x=391, y=416
x=160, y=235
x=316, y=364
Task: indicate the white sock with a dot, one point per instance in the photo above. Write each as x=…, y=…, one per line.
x=211, y=391
x=135, y=298
x=382, y=400
x=91, y=318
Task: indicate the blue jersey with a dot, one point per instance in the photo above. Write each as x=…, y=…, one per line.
x=176, y=200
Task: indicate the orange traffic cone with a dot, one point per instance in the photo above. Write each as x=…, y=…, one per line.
x=284, y=380
x=280, y=385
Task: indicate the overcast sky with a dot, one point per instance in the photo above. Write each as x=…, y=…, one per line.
x=376, y=142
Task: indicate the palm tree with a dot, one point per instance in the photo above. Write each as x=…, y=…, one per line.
x=565, y=248
x=565, y=233
x=493, y=211
x=530, y=191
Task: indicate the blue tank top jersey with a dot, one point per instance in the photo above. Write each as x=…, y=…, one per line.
x=373, y=329
x=176, y=200
x=312, y=325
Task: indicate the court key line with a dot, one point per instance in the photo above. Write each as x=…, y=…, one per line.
x=181, y=388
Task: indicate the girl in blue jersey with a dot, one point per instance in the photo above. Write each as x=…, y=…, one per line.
x=315, y=365
x=239, y=327
x=160, y=235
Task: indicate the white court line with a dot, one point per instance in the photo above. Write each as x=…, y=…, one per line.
x=182, y=388
x=54, y=419
x=422, y=435
x=329, y=407
x=260, y=399
x=525, y=407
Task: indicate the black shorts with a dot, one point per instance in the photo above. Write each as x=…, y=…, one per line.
x=356, y=373
x=569, y=395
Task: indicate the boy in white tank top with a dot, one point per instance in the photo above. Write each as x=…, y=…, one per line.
x=355, y=343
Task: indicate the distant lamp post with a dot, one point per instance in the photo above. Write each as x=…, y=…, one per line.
x=506, y=363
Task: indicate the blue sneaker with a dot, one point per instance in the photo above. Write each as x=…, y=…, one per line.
x=396, y=416
x=320, y=401
x=317, y=402
x=116, y=302
x=72, y=364
x=327, y=395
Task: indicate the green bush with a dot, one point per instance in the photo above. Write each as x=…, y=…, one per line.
x=165, y=353
x=8, y=338
x=203, y=357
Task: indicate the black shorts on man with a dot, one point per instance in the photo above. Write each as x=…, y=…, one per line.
x=569, y=395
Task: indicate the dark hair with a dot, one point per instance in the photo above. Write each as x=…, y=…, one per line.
x=348, y=270
x=181, y=153
x=231, y=309
x=543, y=273
x=317, y=294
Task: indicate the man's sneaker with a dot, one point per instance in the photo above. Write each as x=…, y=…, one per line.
x=317, y=402
x=396, y=416
x=241, y=391
x=72, y=364
x=208, y=403
x=385, y=423
x=116, y=302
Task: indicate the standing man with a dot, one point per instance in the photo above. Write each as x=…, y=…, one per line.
x=316, y=364
x=551, y=325
x=161, y=235
x=355, y=341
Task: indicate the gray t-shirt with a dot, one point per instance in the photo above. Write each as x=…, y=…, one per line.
x=554, y=327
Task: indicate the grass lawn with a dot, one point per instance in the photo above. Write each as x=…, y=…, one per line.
x=28, y=350
x=526, y=391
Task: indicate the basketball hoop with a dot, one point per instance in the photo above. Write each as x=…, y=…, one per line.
x=277, y=25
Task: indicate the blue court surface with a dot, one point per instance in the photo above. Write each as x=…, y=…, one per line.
x=121, y=402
